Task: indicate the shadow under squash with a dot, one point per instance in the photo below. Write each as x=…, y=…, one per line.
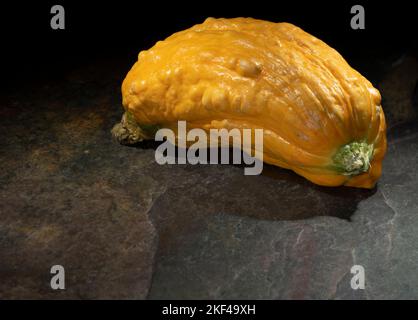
x=276, y=194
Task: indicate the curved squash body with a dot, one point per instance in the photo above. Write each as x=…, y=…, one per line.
x=247, y=73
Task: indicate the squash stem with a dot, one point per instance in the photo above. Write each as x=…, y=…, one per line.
x=353, y=158
x=128, y=131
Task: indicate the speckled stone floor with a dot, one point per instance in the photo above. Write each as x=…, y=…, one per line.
x=126, y=227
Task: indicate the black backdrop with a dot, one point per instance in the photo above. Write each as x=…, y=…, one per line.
x=32, y=50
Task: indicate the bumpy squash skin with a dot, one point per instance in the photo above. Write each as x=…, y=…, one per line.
x=248, y=73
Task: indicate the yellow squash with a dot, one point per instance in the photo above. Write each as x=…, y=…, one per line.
x=321, y=118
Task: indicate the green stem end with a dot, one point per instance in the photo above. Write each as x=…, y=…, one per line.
x=129, y=132
x=353, y=158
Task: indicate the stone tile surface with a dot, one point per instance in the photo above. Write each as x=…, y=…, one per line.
x=125, y=227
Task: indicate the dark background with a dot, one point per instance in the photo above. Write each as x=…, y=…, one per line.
x=113, y=29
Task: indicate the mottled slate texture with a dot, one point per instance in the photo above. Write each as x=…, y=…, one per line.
x=125, y=227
